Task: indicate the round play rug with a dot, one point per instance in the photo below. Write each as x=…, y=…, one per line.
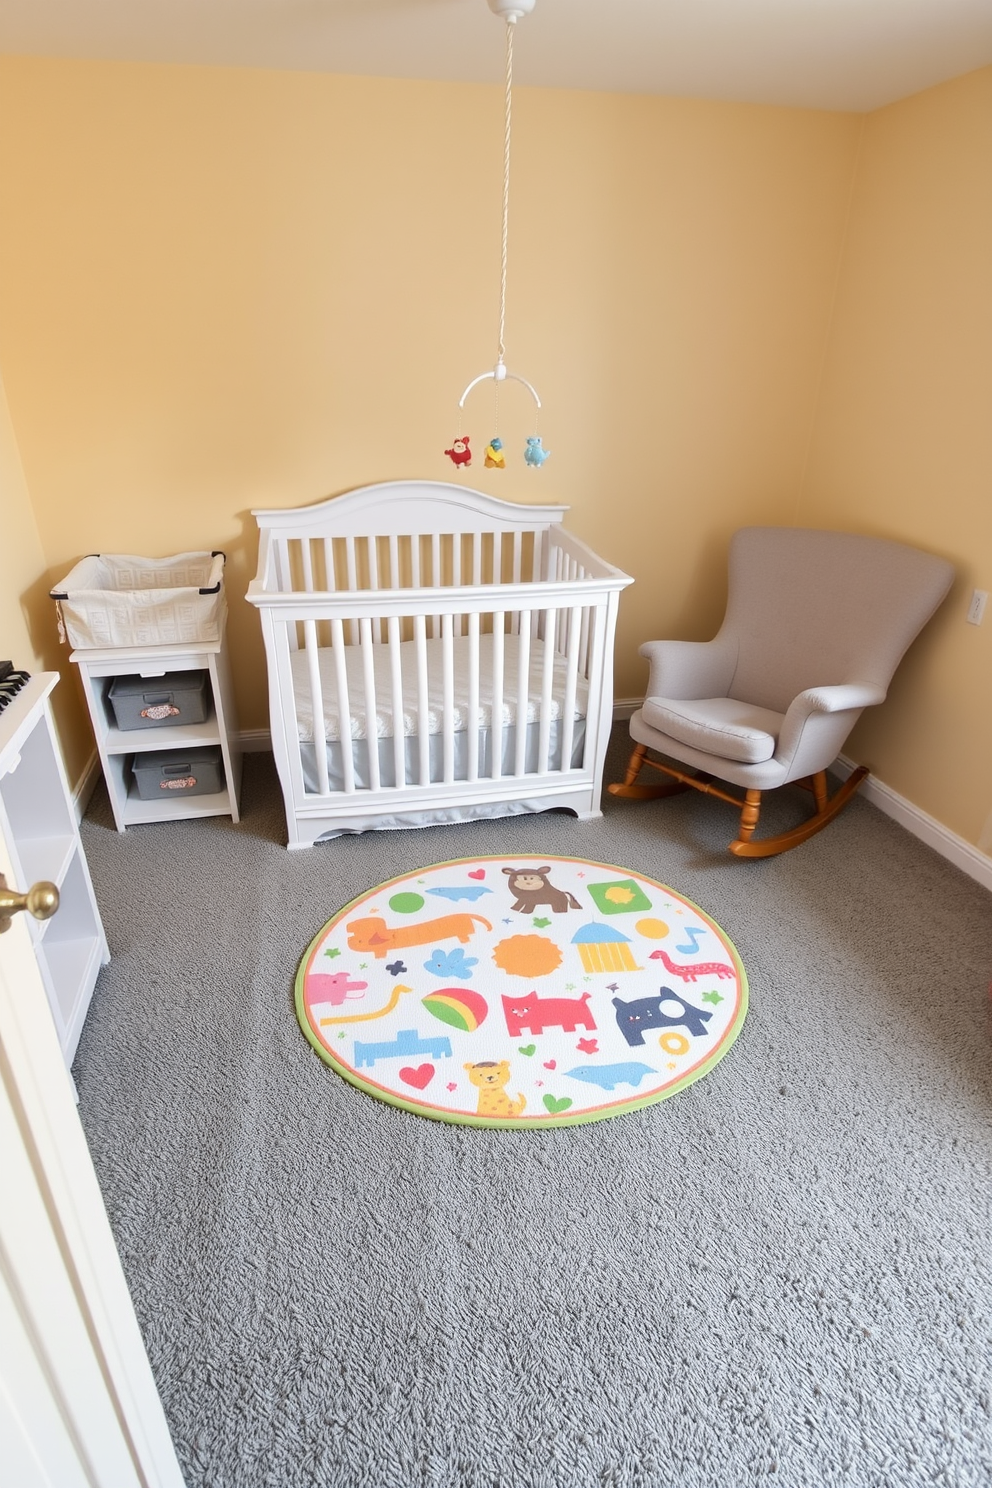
x=525, y=992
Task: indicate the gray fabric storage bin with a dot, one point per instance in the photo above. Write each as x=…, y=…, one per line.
x=178, y=772
x=158, y=702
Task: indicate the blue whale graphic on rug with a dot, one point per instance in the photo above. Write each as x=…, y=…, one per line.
x=609, y=1076
x=463, y=891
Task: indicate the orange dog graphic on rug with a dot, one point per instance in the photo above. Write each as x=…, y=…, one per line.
x=377, y=937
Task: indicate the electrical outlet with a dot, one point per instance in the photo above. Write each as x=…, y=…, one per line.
x=976, y=609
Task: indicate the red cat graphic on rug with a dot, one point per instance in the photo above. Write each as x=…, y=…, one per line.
x=538, y=1013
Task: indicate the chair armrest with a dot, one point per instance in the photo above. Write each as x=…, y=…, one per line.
x=836, y=699
x=690, y=669
x=817, y=723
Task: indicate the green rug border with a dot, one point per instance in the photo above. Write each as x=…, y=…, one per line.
x=527, y=1123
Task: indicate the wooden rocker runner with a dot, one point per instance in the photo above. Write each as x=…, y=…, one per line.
x=816, y=624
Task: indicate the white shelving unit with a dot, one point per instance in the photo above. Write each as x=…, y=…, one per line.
x=117, y=747
x=41, y=835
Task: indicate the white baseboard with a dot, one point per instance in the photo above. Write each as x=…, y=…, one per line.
x=254, y=741
x=955, y=849
x=971, y=860
x=624, y=707
x=85, y=785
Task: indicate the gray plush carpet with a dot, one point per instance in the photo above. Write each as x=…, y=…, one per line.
x=781, y=1275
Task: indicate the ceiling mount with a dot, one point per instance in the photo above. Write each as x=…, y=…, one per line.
x=511, y=10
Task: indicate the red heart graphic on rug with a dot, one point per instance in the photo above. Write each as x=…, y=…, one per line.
x=478, y=873
x=550, y=1063
x=420, y=1077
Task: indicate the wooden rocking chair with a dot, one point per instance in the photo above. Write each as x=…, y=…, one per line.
x=816, y=624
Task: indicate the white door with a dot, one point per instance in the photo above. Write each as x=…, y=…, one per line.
x=78, y=1403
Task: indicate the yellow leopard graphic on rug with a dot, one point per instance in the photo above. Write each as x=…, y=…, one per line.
x=490, y=1077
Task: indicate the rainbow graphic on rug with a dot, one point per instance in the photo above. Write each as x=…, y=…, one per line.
x=538, y=992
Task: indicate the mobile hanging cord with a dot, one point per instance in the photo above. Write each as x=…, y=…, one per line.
x=534, y=453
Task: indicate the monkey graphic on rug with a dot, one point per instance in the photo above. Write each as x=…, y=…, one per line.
x=531, y=888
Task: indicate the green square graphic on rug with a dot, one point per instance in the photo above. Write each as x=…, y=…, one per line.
x=619, y=897
x=487, y=992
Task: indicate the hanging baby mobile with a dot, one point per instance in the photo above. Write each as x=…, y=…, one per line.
x=534, y=453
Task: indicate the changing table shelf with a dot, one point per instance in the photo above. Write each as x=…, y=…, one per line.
x=117, y=747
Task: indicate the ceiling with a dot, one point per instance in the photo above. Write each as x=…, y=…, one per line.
x=834, y=54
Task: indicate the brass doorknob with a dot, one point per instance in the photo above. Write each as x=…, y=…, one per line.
x=41, y=900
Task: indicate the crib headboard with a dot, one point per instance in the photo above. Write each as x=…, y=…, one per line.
x=367, y=537
x=411, y=507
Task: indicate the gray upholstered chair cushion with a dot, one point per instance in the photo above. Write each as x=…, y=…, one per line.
x=720, y=726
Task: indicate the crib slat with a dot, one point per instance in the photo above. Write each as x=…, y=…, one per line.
x=329, y=577
x=523, y=691
x=476, y=541
x=537, y=574
x=344, y=705
x=307, y=561
x=372, y=557
x=423, y=718
x=415, y=560
x=547, y=678
x=496, y=717
x=497, y=556
x=316, y=705
x=436, y=578
x=352, y=571
x=537, y=568
x=472, y=730
x=584, y=642
x=394, y=561
x=285, y=582
x=567, y=730
x=371, y=720
x=448, y=698
x=456, y=577
x=396, y=681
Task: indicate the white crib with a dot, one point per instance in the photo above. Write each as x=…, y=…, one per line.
x=434, y=655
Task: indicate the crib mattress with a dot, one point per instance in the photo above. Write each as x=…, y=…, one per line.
x=408, y=664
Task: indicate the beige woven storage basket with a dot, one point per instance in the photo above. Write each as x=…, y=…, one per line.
x=113, y=599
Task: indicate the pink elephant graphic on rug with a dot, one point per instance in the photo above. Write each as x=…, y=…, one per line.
x=334, y=989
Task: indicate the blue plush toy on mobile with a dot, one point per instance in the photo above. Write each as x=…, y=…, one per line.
x=535, y=454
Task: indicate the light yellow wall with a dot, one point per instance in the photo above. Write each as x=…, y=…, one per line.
x=21, y=555
x=222, y=289
x=27, y=635
x=903, y=438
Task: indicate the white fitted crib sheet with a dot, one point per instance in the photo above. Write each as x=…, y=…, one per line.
x=382, y=672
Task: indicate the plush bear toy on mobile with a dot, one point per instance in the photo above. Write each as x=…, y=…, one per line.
x=460, y=454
